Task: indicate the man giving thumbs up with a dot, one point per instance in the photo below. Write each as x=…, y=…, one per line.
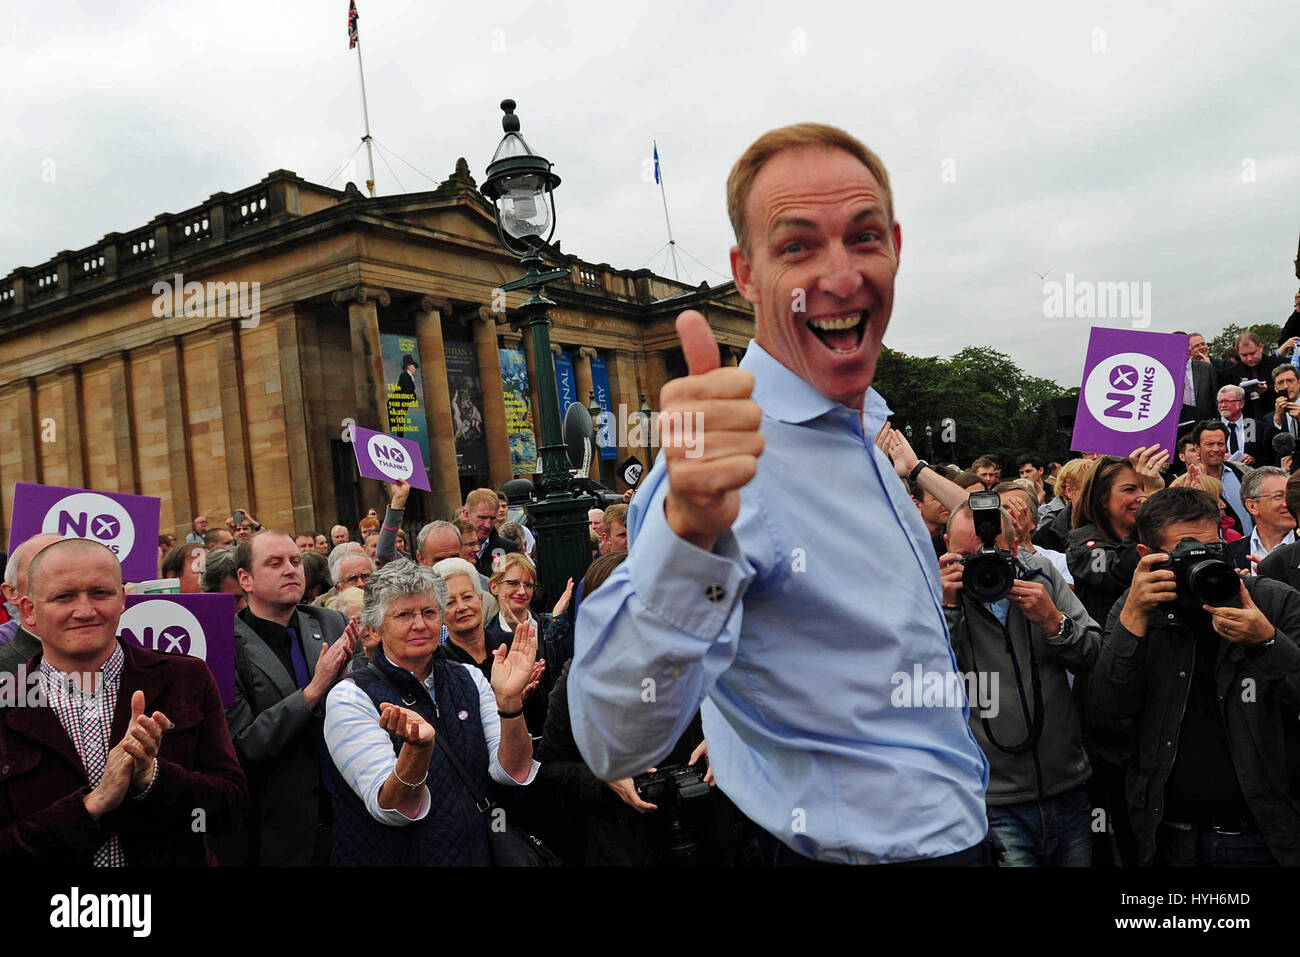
x=779, y=578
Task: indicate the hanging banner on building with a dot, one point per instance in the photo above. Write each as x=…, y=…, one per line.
x=466, y=408
x=565, y=383
x=127, y=524
x=519, y=413
x=605, y=435
x=1132, y=391
x=202, y=626
x=405, y=390
x=389, y=457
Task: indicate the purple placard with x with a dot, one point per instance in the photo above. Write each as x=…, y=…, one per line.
x=388, y=457
x=1132, y=391
x=127, y=524
x=198, y=625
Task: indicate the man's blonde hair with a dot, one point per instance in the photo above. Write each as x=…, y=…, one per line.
x=480, y=496
x=799, y=136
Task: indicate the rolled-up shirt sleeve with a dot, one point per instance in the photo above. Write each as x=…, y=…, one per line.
x=487, y=708
x=363, y=751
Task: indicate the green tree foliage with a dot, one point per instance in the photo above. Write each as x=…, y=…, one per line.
x=995, y=407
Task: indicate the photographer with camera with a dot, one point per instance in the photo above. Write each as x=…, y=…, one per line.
x=1016, y=620
x=1205, y=664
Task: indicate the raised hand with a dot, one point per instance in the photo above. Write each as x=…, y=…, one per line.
x=333, y=660
x=1245, y=625
x=142, y=739
x=1148, y=462
x=399, y=491
x=563, y=603
x=713, y=404
x=512, y=669
x=950, y=578
x=405, y=725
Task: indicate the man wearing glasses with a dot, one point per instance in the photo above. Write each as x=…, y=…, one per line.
x=1263, y=492
x=1249, y=440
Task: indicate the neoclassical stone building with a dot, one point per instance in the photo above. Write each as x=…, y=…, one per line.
x=213, y=357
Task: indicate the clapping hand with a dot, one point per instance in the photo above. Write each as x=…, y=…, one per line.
x=405, y=725
x=1148, y=462
x=142, y=739
x=512, y=668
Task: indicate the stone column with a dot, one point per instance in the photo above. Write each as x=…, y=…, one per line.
x=494, y=403
x=239, y=468
x=582, y=376
x=297, y=425
x=176, y=416
x=437, y=400
x=119, y=385
x=367, y=360
x=73, y=440
x=656, y=375
x=730, y=356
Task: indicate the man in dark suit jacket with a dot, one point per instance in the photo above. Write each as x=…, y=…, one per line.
x=1255, y=362
x=1202, y=381
x=287, y=655
x=78, y=787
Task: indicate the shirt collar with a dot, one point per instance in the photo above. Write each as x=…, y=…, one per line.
x=1257, y=547
x=110, y=671
x=790, y=398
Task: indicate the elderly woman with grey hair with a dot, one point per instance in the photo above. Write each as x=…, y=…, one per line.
x=398, y=799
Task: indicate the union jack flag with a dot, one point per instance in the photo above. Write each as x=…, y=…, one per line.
x=352, y=23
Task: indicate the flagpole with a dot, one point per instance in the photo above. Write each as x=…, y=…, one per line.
x=672, y=246
x=365, y=112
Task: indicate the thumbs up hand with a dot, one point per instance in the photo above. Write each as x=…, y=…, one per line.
x=709, y=432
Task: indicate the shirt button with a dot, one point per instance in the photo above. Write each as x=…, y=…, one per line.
x=4, y=770
x=1169, y=744
x=1182, y=674
x=715, y=593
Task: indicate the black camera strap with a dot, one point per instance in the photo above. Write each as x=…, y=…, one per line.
x=1034, y=724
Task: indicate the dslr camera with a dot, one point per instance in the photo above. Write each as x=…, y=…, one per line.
x=1204, y=576
x=988, y=575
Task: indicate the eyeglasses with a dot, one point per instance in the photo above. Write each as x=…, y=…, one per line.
x=358, y=579
x=407, y=618
x=513, y=583
x=1275, y=497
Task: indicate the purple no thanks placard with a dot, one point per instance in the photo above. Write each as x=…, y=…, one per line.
x=198, y=625
x=1132, y=391
x=387, y=457
x=127, y=524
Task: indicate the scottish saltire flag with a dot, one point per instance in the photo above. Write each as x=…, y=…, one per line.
x=656, y=162
x=352, y=23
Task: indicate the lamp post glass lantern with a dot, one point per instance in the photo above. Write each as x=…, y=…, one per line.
x=521, y=187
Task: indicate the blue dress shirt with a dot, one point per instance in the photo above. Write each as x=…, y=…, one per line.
x=786, y=637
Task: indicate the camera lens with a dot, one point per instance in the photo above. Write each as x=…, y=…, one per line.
x=987, y=578
x=1213, y=581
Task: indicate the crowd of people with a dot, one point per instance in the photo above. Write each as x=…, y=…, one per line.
x=721, y=686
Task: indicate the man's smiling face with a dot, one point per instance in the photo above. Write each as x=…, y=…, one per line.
x=820, y=269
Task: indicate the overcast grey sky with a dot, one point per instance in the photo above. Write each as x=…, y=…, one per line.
x=1113, y=141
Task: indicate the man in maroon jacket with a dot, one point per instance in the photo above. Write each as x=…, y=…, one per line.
x=86, y=775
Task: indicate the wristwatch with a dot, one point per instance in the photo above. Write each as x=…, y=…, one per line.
x=1065, y=630
x=920, y=466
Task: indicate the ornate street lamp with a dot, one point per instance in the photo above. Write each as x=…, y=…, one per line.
x=644, y=416
x=521, y=186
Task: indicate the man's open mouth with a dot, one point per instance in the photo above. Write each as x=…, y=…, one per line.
x=842, y=334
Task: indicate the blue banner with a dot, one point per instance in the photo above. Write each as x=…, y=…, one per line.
x=566, y=384
x=605, y=434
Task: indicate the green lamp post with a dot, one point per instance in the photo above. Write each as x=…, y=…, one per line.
x=521, y=186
